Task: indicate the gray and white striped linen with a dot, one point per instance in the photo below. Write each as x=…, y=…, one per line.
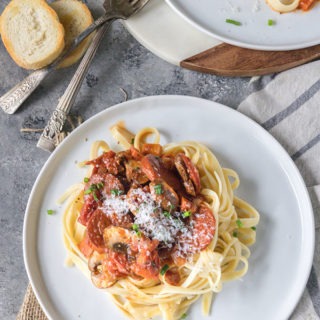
x=288, y=106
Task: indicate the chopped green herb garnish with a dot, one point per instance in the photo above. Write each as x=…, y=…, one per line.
x=50, y=212
x=254, y=228
x=186, y=214
x=86, y=179
x=100, y=185
x=166, y=214
x=171, y=207
x=235, y=234
x=91, y=188
x=95, y=196
x=271, y=22
x=239, y=223
x=158, y=189
x=132, y=141
x=236, y=23
x=135, y=227
x=164, y=269
x=116, y=192
x=183, y=316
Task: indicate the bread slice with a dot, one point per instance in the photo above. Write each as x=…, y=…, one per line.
x=75, y=17
x=31, y=33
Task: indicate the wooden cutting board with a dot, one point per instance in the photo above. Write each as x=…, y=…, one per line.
x=228, y=60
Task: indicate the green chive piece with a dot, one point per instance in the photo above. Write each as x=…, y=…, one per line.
x=158, y=189
x=239, y=223
x=236, y=23
x=95, y=196
x=88, y=191
x=135, y=227
x=254, y=228
x=171, y=207
x=183, y=316
x=271, y=22
x=86, y=179
x=235, y=234
x=186, y=214
x=100, y=185
x=116, y=192
x=132, y=141
x=50, y=212
x=166, y=214
x=164, y=269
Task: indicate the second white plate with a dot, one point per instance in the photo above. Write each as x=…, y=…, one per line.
x=293, y=30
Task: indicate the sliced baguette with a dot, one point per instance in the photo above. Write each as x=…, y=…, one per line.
x=75, y=17
x=31, y=33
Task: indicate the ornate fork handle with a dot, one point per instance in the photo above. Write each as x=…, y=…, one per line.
x=49, y=138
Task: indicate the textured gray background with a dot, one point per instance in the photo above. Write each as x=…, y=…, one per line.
x=121, y=62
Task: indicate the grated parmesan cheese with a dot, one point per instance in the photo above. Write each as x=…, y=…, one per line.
x=152, y=221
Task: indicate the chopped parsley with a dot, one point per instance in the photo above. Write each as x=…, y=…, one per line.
x=183, y=316
x=91, y=188
x=271, y=22
x=95, y=196
x=100, y=185
x=235, y=234
x=164, y=269
x=254, y=228
x=50, y=212
x=234, y=22
x=116, y=192
x=186, y=214
x=158, y=189
x=166, y=214
x=135, y=228
x=239, y=223
x=86, y=179
x=132, y=141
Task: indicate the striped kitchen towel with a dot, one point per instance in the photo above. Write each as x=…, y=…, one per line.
x=288, y=106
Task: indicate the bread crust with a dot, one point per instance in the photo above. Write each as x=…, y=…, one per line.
x=7, y=41
x=85, y=16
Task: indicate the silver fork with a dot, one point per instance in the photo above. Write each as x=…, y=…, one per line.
x=114, y=9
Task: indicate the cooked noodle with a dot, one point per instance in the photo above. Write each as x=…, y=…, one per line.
x=225, y=259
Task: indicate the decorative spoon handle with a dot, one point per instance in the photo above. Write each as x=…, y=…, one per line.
x=14, y=98
x=48, y=140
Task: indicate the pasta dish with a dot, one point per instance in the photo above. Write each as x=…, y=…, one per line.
x=157, y=227
x=291, y=5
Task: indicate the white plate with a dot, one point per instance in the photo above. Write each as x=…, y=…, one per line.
x=293, y=30
x=170, y=37
x=281, y=259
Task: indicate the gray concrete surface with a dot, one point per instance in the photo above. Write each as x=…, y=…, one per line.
x=121, y=62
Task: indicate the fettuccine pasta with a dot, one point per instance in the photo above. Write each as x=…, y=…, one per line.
x=157, y=244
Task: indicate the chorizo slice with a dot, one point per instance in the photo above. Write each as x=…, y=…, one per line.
x=96, y=226
x=189, y=174
x=164, y=195
x=155, y=169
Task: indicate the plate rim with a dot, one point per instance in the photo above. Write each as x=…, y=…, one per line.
x=241, y=44
x=310, y=237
